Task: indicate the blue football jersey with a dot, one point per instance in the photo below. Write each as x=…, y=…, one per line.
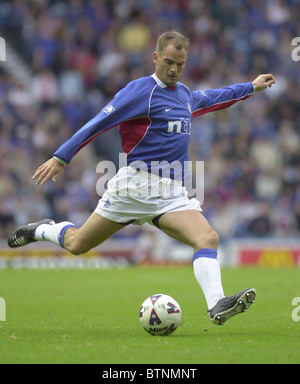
x=154, y=122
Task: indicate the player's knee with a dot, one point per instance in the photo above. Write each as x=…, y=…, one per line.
x=213, y=239
x=209, y=239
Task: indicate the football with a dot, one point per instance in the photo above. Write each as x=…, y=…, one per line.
x=160, y=315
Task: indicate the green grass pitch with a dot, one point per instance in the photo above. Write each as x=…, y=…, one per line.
x=91, y=316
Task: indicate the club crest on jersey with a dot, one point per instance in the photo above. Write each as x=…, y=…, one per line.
x=109, y=109
x=154, y=318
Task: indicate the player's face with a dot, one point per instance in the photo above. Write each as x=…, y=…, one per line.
x=169, y=64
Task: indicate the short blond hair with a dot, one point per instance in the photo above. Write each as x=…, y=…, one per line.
x=175, y=38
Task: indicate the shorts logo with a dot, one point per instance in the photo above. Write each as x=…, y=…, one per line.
x=109, y=109
x=107, y=203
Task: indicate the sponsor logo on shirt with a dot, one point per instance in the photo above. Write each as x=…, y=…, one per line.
x=182, y=126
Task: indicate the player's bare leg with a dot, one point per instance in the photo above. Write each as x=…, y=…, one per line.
x=94, y=231
x=192, y=228
x=65, y=234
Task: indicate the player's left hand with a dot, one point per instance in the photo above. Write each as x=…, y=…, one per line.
x=263, y=81
x=51, y=169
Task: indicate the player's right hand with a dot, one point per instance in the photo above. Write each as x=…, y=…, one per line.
x=263, y=81
x=52, y=169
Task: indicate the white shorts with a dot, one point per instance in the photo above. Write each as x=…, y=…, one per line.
x=137, y=197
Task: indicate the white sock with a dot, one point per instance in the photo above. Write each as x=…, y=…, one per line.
x=208, y=274
x=53, y=233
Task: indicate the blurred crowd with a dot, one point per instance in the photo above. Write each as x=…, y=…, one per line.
x=81, y=52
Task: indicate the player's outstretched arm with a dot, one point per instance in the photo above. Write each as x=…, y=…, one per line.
x=263, y=81
x=50, y=169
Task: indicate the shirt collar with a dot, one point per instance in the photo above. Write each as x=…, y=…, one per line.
x=160, y=83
